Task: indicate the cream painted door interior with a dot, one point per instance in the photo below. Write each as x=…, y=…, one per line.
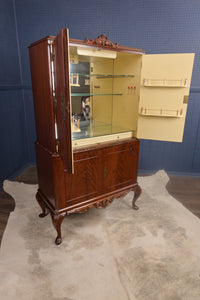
x=164, y=91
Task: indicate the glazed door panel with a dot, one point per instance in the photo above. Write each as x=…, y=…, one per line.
x=85, y=183
x=120, y=166
x=63, y=99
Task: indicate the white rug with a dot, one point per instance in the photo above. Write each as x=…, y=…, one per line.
x=112, y=254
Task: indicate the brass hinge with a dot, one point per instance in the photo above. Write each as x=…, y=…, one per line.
x=52, y=56
x=63, y=106
x=185, y=99
x=54, y=103
x=57, y=145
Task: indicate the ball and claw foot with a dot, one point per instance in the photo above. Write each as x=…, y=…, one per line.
x=43, y=214
x=136, y=196
x=135, y=207
x=45, y=211
x=58, y=240
x=57, y=220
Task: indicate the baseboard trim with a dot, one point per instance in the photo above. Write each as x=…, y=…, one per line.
x=175, y=173
x=17, y=173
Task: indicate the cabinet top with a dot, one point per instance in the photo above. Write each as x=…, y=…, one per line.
x=101, y=42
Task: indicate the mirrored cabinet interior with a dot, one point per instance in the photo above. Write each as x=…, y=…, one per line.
x=93, y=101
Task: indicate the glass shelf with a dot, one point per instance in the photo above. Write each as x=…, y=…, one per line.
x=100, y=76
x=97, y=129
x=74, y=74
x=113, y=76
x=91, y=95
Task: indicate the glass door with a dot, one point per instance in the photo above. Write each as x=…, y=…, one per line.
x=62, y=100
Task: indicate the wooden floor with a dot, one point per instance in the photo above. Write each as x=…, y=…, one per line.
x=187, y=191
x=184, y=189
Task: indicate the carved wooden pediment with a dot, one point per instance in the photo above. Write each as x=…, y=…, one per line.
x=102, y=41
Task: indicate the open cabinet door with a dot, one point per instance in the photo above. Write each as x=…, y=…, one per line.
x=62, y=94
x=164, y=91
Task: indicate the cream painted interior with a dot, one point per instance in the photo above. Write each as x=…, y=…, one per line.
x=125, y=107
x=102, y=106
x=96, y=53
x=118, y=110
x=165, y=80
x=151, y=103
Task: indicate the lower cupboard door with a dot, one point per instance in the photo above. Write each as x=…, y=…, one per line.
x=120, y=167
x=84, y=184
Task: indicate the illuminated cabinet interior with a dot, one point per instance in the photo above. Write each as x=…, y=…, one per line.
x=143, y=95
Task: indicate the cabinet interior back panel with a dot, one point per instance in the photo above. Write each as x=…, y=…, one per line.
x=125, y=107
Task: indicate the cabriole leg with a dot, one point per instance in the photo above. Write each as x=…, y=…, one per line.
x=136, y=195
x=57, y=221
x=44, y=212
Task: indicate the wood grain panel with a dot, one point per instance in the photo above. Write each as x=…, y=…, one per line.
x=120, y=166
x=42, y=94
x=45, y=172
x=62, y=90
x=84, y=183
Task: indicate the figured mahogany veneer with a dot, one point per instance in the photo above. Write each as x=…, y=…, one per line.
x=101, y=174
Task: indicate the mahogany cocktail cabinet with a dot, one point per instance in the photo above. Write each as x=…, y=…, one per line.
x=92, y=100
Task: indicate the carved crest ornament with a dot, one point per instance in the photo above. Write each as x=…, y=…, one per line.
x=102, y=41
x=100, y=204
